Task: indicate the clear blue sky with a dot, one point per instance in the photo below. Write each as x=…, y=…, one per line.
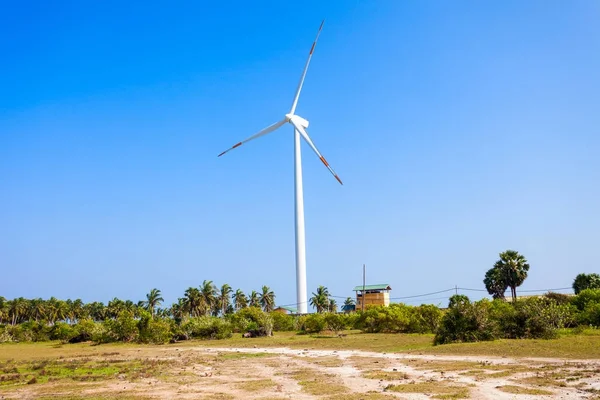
x=460, y=129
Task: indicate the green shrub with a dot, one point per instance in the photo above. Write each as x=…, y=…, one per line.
x=33, y=331
x=153, y=330
x=586, y=296
x=122, y=329
x=590, y=315
x=424, y=319
x=314, y=323
x=208, y=328
x=282, y=322
x=334, y=322
x=466, y=322
x=62, y=331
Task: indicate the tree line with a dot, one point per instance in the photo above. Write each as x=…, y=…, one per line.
x=205, y=300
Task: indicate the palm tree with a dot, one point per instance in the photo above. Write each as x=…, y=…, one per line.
x=95, y=310
x=115, y=307
x=254, y=299
x=267, y=299
x=224, y=298
x=192, y=301
x=240, y=300
x=332, y=305
x=36, y=309
x=3, y=309
x=515, y=267
x=208, y=296
x=320, y=300
x=16, y=309
x=153, y=300
x=347, y=304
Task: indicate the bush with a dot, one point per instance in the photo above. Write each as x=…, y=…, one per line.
x=314, y=323
x=86, y=330
x=334, y=322
x=590, y=315
x=586, y=296
x=153, y=330
x=208, y=328
x=282, y=322
x=122, y=329
x=466, y=322
x=424, y=319
x=62, y=331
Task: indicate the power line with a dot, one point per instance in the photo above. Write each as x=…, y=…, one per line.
x=421, y=295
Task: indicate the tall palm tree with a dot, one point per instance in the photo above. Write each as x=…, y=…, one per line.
x=224, y=298
x=192, y=301
x=515, y=267
x=96, y=310
x=208, y=296
x=153, y=300
x=115, y=307
x=267, y=299
x=16, y=309
x=254, y=299
x=320, y=300
x=240, y=300
x=178, y=310
x=36, y=309
x=332, y=306
x=496, y=282
x=3, y=309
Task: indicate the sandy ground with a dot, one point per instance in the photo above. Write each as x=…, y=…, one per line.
x=282, y=373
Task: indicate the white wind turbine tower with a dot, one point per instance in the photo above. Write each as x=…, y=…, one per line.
x=300, y=125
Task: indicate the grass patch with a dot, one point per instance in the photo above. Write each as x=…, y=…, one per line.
x=386, y=375
x=330, y=362
x=362, y=396
x=13, y=373
x=241, y=356
x=523, y=390
x=582, y=345
x=437, y=390
x=316, y=383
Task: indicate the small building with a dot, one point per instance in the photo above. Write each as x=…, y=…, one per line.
x=286, y=310
x=373, y=295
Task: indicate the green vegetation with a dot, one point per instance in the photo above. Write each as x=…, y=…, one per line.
x=206, y=312
x=586, y=281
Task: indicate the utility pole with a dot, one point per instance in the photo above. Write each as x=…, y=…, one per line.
x=456, y=288
x=363, y=292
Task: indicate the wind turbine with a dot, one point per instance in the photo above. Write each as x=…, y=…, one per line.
x=300, y=124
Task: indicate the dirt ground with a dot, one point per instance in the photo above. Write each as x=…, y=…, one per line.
x=282, y=373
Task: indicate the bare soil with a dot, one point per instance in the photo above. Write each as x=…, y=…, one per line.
x=283, y=373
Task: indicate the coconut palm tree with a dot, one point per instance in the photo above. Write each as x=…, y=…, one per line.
x=348, y=303
x=267, y=299
x=208, y=296
x=320, y=300
x=515, y=267
x=240, y=300
x=332, y=305
x=192, y=301
x=17, y=308
x=153, y=300
x=224, y=298
x=254, y=299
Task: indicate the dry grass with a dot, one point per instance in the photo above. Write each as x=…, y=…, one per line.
x=523, y=390
x=437, y=390
x=328, y=362
x=316, y=383
x=386, y=375
x=582, y=346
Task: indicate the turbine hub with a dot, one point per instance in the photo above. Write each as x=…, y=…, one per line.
x=297, y=119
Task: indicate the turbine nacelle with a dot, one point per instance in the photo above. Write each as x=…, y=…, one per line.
x=297, y=119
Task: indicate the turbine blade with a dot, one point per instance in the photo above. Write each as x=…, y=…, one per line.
x=268, y=129
x=312, y=145
x=312, y=49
